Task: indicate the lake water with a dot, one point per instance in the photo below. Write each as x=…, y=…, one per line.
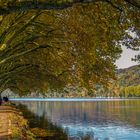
x=101, y=119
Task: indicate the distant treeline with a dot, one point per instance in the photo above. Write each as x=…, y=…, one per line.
x=130, y=91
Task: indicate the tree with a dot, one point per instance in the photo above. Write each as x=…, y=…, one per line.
x=41, y=49
x=27, y=57
x=101, y=33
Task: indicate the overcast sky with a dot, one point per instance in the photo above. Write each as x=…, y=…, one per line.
x=125, y=59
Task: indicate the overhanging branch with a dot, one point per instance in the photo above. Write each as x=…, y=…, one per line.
x=22, y=53
x=24, y=5
x=135, y=3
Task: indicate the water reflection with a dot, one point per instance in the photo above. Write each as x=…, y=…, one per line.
x=110, y=120
x=36, y=121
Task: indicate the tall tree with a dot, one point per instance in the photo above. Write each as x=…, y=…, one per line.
x=78, y=45
x=28, y=57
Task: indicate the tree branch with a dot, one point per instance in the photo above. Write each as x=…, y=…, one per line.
x=22, y=53
x=135, y=3
x=17, y=69
x=24, y=5
x=113, y=5
x=23, y=28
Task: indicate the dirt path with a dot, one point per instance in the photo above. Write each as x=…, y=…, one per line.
x=5, y=121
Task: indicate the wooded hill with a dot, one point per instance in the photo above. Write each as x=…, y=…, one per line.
x=129, y=76
x=129, y=81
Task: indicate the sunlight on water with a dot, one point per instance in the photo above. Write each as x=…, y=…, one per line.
x=109, y=132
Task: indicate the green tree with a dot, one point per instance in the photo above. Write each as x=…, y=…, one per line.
x=52, y=49
x=28, y=56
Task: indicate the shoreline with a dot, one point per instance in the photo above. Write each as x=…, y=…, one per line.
x=73, y=99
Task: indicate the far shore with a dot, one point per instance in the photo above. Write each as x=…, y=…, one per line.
x=73, y=99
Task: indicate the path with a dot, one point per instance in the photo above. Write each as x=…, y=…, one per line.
x=5, y=122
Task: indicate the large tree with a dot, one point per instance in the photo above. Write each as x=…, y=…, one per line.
x=76, y=46
x=30, y=54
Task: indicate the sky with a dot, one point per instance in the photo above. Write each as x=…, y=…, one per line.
x=125, y=60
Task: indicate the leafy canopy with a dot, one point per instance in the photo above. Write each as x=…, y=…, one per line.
x=43, y=49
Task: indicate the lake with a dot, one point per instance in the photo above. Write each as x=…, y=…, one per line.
x=99, y=119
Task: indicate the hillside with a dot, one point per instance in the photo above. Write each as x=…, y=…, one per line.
x=128, y=82
x=129, y=76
